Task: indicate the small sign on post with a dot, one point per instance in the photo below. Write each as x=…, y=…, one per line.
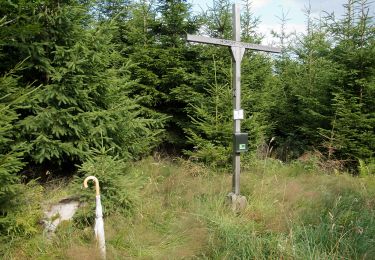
x=238, y=114
x=237, y=49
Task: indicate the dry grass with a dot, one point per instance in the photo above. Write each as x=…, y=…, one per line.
x=164, y=226
x=181, y=213
x=182, y=210
x=82, y=253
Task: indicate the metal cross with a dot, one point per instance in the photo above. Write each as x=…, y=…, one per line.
x=237, y=49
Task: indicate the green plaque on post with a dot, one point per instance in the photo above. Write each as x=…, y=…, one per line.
x=240, y=142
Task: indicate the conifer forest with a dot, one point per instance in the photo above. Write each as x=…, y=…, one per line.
x=112, y=88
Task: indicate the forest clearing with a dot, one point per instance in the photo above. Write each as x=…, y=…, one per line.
x=134, y=93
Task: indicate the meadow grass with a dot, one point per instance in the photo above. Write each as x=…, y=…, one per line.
x=293, y=212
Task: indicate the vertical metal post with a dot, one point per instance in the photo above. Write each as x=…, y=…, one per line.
x=237, y=49
x=237, y=53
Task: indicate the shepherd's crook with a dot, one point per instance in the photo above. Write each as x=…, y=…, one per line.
x=99, y=224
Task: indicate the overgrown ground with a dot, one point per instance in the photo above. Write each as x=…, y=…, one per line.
x=294, y=212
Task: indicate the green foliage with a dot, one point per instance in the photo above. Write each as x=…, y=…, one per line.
x=20, y=209
x=210, y=131
x=210, y=100
x=353, y=94
x=10, y=154
x=87, y=54
x=352, y=128
x=259, y=98
x=175, y=20
x=325, y=89
x=86, y=86
x=240, y=241
x=164, y=65
x=22, y=215
x=304, y=85
x=13, y=194
x=345, y=229
x=118, y=187
x=218, y=19
x=365, y=169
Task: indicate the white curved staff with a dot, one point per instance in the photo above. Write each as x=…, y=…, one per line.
x=99, y=224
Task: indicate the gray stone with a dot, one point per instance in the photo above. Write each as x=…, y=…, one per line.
x=63, y=210
x=237, y=202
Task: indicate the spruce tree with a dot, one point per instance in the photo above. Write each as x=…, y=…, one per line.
x=210, y=130
x=309, y=77
x=210, y=110
x=10, y=153
x=85, y=98
x=164, y=64
x=353, y=93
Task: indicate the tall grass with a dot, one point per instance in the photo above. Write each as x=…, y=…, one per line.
x=180, y=211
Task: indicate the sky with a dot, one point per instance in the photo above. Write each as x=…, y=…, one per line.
x=269, y=10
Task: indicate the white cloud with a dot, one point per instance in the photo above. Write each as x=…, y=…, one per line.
x=291, y=28
x=270, y=11
x=317, y=6
x=257, y=4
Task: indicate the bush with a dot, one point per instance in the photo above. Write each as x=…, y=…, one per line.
x=22, y=215
x=365, y=169
x=211, y=155
x=19, y=208
x=118, y=188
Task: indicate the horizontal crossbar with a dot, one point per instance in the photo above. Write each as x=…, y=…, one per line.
x=223, y=42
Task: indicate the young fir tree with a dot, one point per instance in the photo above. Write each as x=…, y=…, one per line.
x=218, y=20
x=353, y=99
x=306, y=78
x=164, y=65
x=211, y=125
x=313, y=85
x=209, y=99
x=210, y=131
x=84, y=96
x=15, y=30
x=10, y=153
x=257, y=78
x=281, y=103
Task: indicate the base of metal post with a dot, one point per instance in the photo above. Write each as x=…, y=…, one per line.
x=237, y=202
